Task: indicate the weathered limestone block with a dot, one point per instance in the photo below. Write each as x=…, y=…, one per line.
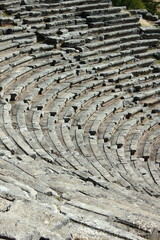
x=6, y=20
x=28, y=2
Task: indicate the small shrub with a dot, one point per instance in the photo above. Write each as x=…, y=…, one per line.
x=130, y=4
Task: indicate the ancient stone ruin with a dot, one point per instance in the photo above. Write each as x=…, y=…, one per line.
x=79, y=121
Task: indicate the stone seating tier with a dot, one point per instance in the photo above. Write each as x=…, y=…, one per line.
x=79, y=121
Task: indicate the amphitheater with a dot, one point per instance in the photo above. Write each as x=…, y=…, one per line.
x=79, y=121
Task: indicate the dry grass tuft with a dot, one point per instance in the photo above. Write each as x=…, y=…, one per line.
x=145, y=23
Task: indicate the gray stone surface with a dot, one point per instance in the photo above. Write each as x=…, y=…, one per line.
x=79, y=121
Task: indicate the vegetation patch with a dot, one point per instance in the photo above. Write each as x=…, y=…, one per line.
x=151, y=6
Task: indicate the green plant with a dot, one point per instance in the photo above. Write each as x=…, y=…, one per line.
x=151, y=6
x=130, y=4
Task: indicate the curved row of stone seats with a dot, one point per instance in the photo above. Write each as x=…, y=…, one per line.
x=143, y=62
x=43, y=82
x=119, y=117
x=92, y=44
x=17, y=38
x=147, y=148
x=11, y=52
x=147, y=129
x=61, y=100
x=132, y=84
x=119, y=137
x=22, y=127
x=50, y=82
x=106, y=54
x=38, y=105
x=94, y=33
x=106, y=17
x=57, y=101
x=8, y=3
x=16, y=35
x=36, y=116
x=89, y=160
x=134, y=140
x=7, y=80
x=116, y=139
x=18, y=141
x=102, y=170
x=26, y=134
x=92, y=12
x=66, y=6
x=80, y=33
x=4, y=138
x=9, y=46
x=37, y=10
x=150, y=183
x=111, y=29
x=7, y=20
x=85, y=102
x=149, y=33
x=83, y=116
x=27, y=65
x=122, y=42
x=72, y=158
x=12, y=98
x=112, y=21
x=152, y=167
x=64, y=158
x=119, y=141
